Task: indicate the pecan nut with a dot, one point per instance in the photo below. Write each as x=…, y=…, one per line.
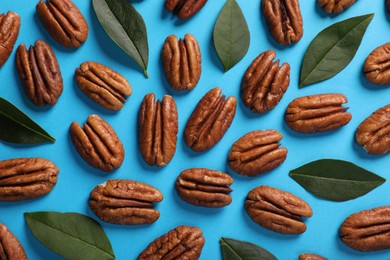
x=9, y=31
x=98, y=144
x=284, y=20
x=376, y=67
x=184, y=9
x=157, y=129
x=277, y=210
x=335, y=6
x=210, y=120
x=311, y=257
x=264, y=82
x=10, y=247
x=26, y=178
x=106, y=87
x=257, y=152
x=367, y=230
x=63, y=21
x=317, y=113
x=40, y=73
x=125, y=202
x=204, y=187
x=182, y=62
x=183, y=242
x=374, y=132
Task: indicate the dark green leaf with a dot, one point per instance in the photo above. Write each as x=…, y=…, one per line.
x=17, y=127
x=333, y=49
x=231, y=35
x=240, y=250
x=71, y=235
x=336, y=180
x=126, y=28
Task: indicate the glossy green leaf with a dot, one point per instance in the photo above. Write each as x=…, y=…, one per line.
x=17, y=127
x=336, y=180
x=231, y=35
x=240, y=250
x=71, y=235
x=126, y=28
x=333, y=49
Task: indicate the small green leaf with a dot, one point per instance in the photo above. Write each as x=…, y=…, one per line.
x=336, y=180
x=333, y=49
x=71, y=235
x=231, y=35
x=126, y=28
x=240, y=250
x=17, y=127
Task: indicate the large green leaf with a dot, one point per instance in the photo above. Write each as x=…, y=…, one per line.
x=17, y=127
x=240, y=250
x=336, y=180
x=71, y=235
x=333, y=49
x=126, y=28
x=231, y=35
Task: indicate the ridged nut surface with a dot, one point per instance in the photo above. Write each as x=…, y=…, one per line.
x=377, y=65
x=10, y=247
x=311, y=257
x=9, y=31
x=125, y=202
x=335, y=6
x=184, y=9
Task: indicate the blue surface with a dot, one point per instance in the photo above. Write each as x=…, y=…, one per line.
x=77, y=178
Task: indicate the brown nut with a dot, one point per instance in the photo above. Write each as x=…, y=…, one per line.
x=317, y=113
x=204, y=187
x=264, y=82
x=26, y=178
x=184, y=9
x=183, y=242
x=125, y=202
x=376, y=67
x=257, y=152
x=182, y=62
x=9, y=31
x=284, y=20
x=374, y=132
x=10, y=247
x=63, y=21
x=311, y=257
x=40, y=73
x=335, y=6
x=210, y=120
x=277, y=210
x=367, y=230
x=98, y=144
x=388, y=5
x=157, y=129
x=106, y=87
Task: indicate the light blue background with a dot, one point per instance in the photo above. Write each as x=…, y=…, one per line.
x=77, y=178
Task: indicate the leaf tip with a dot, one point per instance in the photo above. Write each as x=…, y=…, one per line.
x=146, y=74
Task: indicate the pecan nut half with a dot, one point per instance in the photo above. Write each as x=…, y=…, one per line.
x=183, y=242
x=9, y=31
x=367, y=230
x=317, y=113
x=377, y=65
x=284, y=20
x=157, y=129
x=374, y=132
x=204, y=187
x=40, y=73
x=98, y=144
x=335, y=6
x=10, y=247
x=182, y=62
x=125, y=202
x=63, y=21
x=311, y=257
x=106, y=87
x=210, y=120
x=277, y=210
x=26, y=178
x=264, y=82
x=257, y=152
x=184, y=9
